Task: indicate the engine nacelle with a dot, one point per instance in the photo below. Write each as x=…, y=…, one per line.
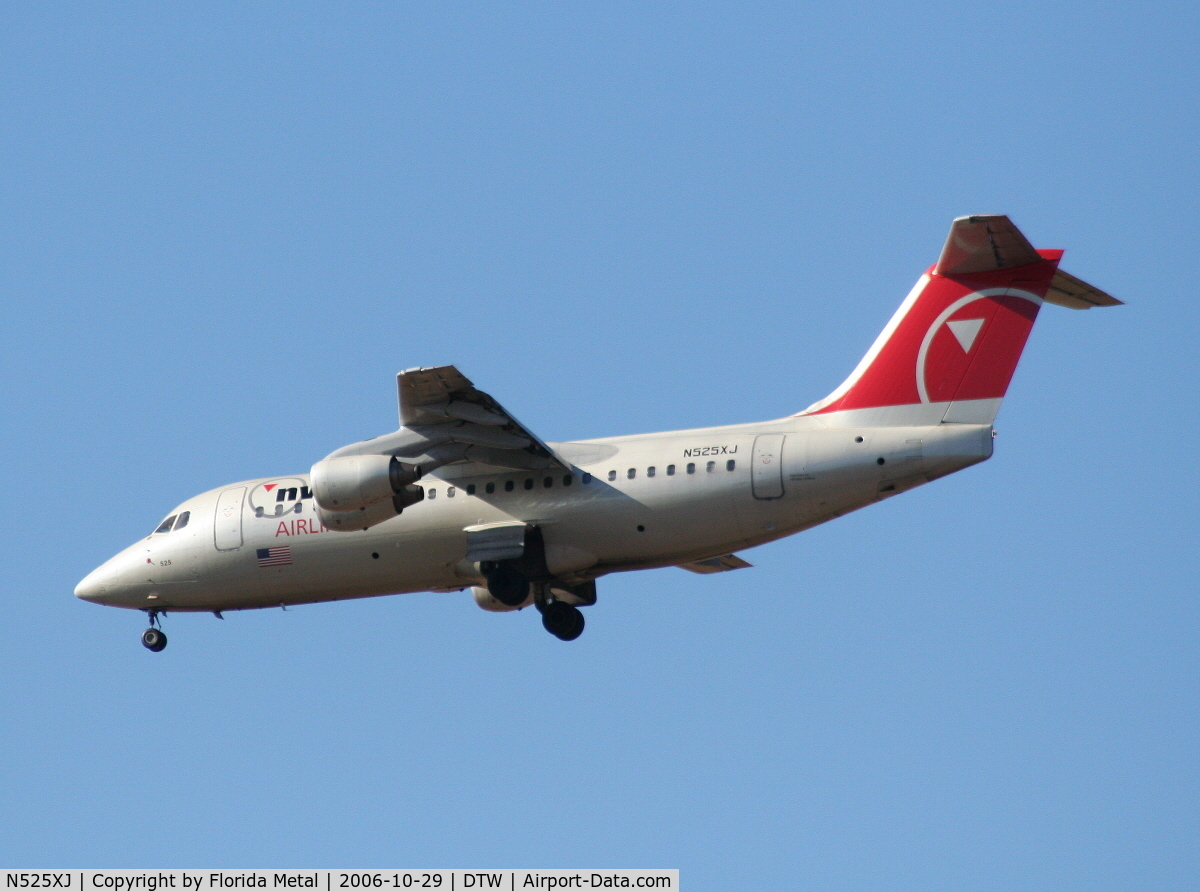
x=356, y=482
x=365, y=518
x=484, y=599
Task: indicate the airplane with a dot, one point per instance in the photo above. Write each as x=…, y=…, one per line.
x=462, y=495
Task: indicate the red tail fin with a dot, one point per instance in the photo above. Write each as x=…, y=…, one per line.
x=954, y=343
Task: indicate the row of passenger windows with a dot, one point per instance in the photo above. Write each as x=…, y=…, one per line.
x=179, y=521
x=509, y=486
x=568, y=479
x=174, y=522
x=709, y=467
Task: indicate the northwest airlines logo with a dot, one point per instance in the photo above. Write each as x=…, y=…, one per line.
x=972, y=347
x=279, y=497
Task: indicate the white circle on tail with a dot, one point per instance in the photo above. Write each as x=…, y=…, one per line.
x=966, y=338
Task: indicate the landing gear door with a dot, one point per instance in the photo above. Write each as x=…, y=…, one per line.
x=227, y=528
x=495, y=541
x=766, y=467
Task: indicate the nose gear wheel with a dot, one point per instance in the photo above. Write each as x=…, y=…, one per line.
x=154, y=639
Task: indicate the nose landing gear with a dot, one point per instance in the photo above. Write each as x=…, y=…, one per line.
x=154, y=639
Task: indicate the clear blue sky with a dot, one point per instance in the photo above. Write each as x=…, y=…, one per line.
x=225, y=226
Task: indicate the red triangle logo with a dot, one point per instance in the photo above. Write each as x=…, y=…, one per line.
x=269, y=486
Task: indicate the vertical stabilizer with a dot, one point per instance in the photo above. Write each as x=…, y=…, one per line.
x=949, y=352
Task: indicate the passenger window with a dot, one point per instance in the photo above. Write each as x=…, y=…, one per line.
x=650, y=471
x=730, y=465
x=631, y=473
x=470, y=489
x=587, y=478
x=431, y=493
x=670, y=470
x=183, y=520
x=450, y=492
x=691, y=467
x=491, y=488
x=529, y=483
x=165, y=526
x=508, y=486
x=711, y=466
x=568, y=479
x=612, y=475
x=548, y=482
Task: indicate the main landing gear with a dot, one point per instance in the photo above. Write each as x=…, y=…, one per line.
x=154, y=638
x=507, y=585
x=510, y=587
x=562, y=620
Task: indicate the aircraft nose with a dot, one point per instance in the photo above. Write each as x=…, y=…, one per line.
x=91, y=587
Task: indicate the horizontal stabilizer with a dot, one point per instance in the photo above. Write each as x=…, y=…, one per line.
x=982, y=243
x=1068, y=291
x=716, y=564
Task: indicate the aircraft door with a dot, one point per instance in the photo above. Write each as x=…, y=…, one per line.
x=766, y=466
x=227, y=527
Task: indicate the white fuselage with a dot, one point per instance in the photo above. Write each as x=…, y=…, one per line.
x=711, y=492
x=431, y=506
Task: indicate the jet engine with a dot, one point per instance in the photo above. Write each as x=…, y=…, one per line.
x=484, y=599
x=371, y=515
x=356, y=482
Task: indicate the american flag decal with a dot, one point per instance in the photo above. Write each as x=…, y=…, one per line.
x=275, y=557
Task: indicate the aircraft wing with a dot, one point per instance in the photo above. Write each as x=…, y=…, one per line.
x=442, y=402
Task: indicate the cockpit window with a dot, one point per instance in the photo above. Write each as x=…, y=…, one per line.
x=184, y=517
x=165, y=526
